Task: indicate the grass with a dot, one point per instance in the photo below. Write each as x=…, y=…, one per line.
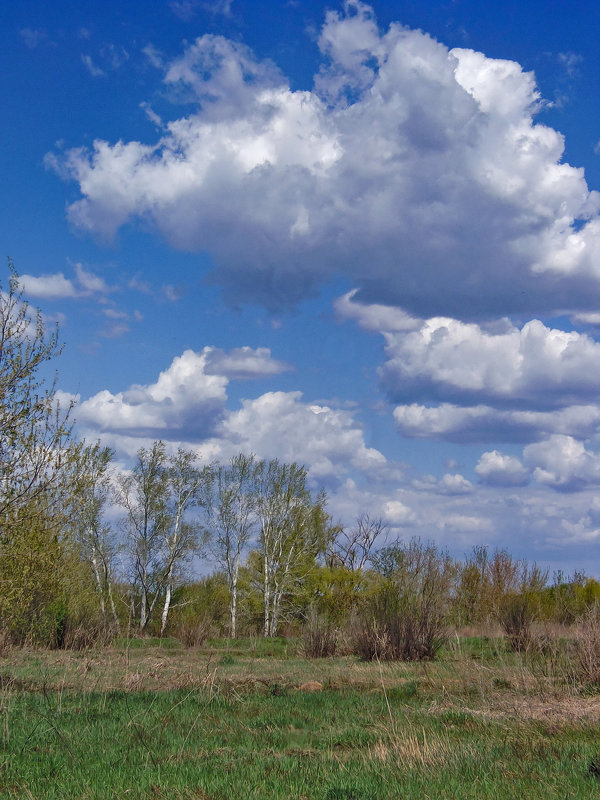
x=228, y=720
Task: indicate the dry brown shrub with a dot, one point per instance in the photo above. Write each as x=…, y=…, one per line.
x=319, y=637
x=194, y=632
x=86, y=635
x=586, y=647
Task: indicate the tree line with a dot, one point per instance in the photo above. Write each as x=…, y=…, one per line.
x=88, y=552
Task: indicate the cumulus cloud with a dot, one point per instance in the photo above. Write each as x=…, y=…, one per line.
x=48, y=286
x=188, y=403
x=184, y=402
x=280, y=188
x=280, y=425
x=531, y=366
x=475, y=382
x=496, y=469
x=450, y=484
x=563, y=463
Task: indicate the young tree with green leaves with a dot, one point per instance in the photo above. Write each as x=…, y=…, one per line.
x=158, y=496
x=34, y=430
x=89, y=496
x=293, y=531
x=188, y=489
x=233, y=521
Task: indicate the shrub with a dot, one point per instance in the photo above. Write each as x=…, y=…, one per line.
x=586, y=647
x=319, y=637
x=516, y=618
x=406, y=616
x=193, y=632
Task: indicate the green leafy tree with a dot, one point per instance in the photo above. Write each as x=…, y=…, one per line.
x=294, y=530
x=233, y=521
x=34, y=430
x=36, y=457
x=88, y=498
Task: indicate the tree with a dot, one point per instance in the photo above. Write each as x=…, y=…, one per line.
x=293, y=530
x=233, y=520
x=143, y=495
x=188, y=488
x=352, y=548
x=34, y=430
x=157, y=497
x=35, y=459
x=91, y=488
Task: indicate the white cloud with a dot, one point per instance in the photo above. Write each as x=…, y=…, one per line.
x=483, y=423
x=93, y=69
x=450, y=484
x=534, y=365
x=90, y=283
x=461, y=523
x=184, y=403
x=57, y=286
x=563, y=463
x=188, y=403
x=397, y=514
x=243, y=363
x=281, y=188
x=477, y=382
x=279, y=425
x=496, y=469
x=48, y=286
x=33, y=37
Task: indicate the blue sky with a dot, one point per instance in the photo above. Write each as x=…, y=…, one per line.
x=366, y=238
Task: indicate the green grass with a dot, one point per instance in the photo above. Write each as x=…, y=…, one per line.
x=224, y=722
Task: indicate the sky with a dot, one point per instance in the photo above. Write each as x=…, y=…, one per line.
x=364, y=238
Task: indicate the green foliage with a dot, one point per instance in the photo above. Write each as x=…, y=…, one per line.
x=47, y=593
x=200, y=609
x=34, y=432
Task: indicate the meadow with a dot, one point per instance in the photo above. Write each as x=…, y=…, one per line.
x=255, y=719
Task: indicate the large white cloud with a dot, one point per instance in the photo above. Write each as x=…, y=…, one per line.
x=534, y=366
x=279, y=425
x=415, y=170
x=184, y=402
x=563, y=463
x=188, y=403
x=483, y=423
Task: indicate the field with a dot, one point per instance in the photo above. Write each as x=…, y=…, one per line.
x=232, y=720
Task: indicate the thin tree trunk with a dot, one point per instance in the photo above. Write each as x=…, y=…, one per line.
x=98, y=581
x=165, y=611
x=233, y=601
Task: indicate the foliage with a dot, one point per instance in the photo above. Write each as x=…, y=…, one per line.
x=33, y=430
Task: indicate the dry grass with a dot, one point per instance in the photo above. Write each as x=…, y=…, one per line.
x=495, y=686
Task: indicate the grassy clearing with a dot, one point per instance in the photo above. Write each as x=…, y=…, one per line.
x=229, y=721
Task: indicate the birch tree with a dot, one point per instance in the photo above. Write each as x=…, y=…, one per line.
x=91, y=491
x=292, y=530
x=233, y=520
x=143, y=495
x=159, y=497
x=188, y=489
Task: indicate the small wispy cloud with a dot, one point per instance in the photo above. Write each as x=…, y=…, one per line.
x=570, y=62
x=94, y=70
x=33, y=37
x=186, y=9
